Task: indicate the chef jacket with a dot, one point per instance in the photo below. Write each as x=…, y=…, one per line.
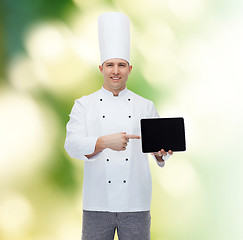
x=114, y=181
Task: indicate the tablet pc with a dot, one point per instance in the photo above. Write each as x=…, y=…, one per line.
x=163, y=133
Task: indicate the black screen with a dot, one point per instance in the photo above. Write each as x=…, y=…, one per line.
x=163, y=133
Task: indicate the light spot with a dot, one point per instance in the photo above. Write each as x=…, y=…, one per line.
x=187, y=9
x=179, y=179
x=26, y=135
x=16, y=215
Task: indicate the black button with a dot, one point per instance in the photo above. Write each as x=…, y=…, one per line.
x=124, y=181
x=109, y=181
x=101, y=99
x=129, y=99
x=129, y=116
x=126, y=159
x=103, y=116
x=107, y=160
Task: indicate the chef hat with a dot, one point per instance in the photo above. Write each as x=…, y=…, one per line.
x=114, y=36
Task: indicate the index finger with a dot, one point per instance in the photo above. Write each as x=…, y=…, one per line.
x=132, y=136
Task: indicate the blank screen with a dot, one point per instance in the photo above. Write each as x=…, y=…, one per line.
x=163, y=133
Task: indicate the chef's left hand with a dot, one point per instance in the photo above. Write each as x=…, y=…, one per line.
x=162, y=153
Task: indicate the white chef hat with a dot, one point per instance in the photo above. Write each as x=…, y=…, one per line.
x=114, y=36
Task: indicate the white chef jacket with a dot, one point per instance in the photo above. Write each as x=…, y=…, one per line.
x=114, y=181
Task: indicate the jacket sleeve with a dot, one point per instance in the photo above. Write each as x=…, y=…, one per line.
x=154, y=114
x=78, y=143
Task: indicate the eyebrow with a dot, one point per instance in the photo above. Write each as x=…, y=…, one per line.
x=118, y=63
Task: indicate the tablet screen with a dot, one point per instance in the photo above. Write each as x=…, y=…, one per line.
x=163, y=133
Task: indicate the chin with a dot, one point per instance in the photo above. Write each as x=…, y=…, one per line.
x=116, y=85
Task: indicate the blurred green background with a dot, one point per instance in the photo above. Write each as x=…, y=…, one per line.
x=187, y=57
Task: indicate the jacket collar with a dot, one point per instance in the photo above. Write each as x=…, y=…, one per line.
x=109, y=93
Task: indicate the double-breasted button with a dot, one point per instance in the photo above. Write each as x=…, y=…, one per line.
x=109, y=181
x=103, y=116
x=107, y=159
x=129, y=99
x=126, y=159
x=124, y=181
x=101, y=99
x=129, y=116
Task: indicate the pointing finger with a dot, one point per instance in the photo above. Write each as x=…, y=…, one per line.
x=131, y=136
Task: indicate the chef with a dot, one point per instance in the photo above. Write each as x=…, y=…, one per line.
x=104, y=131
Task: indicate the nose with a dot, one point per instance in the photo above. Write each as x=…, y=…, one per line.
x=116, y=70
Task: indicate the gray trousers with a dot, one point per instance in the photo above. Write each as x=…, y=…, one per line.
x=129, y=225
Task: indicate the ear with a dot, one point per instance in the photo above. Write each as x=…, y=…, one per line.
x=101, y=69
x=130, y=68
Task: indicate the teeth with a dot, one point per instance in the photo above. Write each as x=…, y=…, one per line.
x=115, y=78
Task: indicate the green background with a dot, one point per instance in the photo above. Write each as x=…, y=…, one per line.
x=187, y=57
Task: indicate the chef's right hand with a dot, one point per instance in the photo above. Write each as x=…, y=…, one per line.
x=118, y=141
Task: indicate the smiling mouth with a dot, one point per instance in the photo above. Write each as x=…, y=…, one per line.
x=115, y=78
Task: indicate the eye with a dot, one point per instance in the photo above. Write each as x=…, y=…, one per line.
x=122, y=65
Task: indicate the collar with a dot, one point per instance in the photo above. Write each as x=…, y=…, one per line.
x=109, y=93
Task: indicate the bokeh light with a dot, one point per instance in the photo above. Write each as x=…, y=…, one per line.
x=26, y=132
x=14, y=224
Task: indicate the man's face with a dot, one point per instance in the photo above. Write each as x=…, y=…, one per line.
x=115, y=73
